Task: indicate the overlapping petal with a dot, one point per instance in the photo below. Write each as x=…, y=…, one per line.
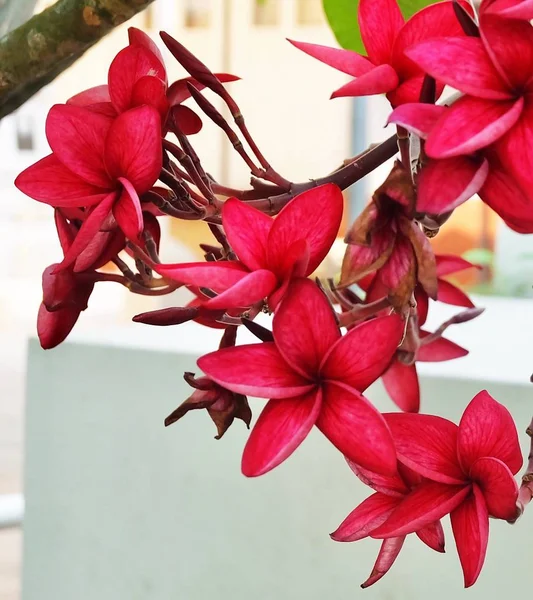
x=439, y=350
x=389, y=551
x=416, y=117
x=379, y=22
x=401, y=383
x=498, y=486
x=252, y=288
x=218, y=276
x=346, y=61
x=379, y=80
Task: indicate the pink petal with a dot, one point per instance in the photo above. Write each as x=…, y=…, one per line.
x=179, y=92
x=94, y=95
x=255, y=370
x=401, y=383
x=390, y=485
x=128, y=66
x=389, y=551
x=293, y=265
x=152, y=91
x=357, y=429
x=252, y=288
x=54, y=327
x=509, y=43
x=487, y=429
x=371, y=513
x=362, y=355
x=427, y=444
x=77, y=136
x=449, y=263
x=429, y=502
x=462, y=63
x=416, y=117
x=186, y=119
x=434, y=21
x=65, y=231
x=137, y=36
x=514, y=9
x=305, y=327
x=343, y=60
x=217, y=276
x=133, y=148
x=433, y=536
x=498, y=486
x=445, y=184
x=49, y=181
x=439, y=350
x=470, y=526
x=128, y=212
x=90, y=227
x=379, y=80
x=409, y=90
x=281, y=428
x=450, y=294
x=314, y=216
x=380, y=22
x=247, y=231
x=471, y=124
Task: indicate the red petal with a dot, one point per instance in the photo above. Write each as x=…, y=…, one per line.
x=128, y=212
x=151, y=91
x=281, y=428
x=470, y=526
x=293, y=265
x=371, y=513
x=344, y=60
x=422, y=304
x=387, y=555
x=305, y=327
x=462, y=63
x=498, y=486
x=255, y=370
x=380, y=22
x=429, y=502
x=137, y=36
x=514, y=9
x=314, y=216
x=50, y=182
x=186, y=119
x=133, y=148
x=77, y=136
x=401, y=383
x=439, y=350
x=362, y=355
x=448, y=263
x=247, y=231
x=445, y=184
x=252, y=288
x=417, y=118
x=471, y=124
x=65, y=231
x=433, y=536
x=487, y=429
x=428, y=445
x=357, y=429
x=379, y=80
x=178, y=91
x=509, y=43
x=218, y=276
x=128, y=66
x=54, y=327
x=390, y=485
x=450, y=294
x=90, y=227
x=94, y=95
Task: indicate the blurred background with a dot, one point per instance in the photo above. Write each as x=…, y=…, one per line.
x=284, y=96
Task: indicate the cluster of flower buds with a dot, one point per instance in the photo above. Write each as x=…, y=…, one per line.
x=113, y=173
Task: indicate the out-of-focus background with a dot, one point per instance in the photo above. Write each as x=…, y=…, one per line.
x=284, y=95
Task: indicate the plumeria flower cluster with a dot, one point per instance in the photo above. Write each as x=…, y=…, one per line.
x=123, y=158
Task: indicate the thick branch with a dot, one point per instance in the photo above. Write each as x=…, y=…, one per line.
x=35, y=53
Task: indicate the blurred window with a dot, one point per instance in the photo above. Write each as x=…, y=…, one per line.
x=197, y=13
x=266, y=12
x=309, y=12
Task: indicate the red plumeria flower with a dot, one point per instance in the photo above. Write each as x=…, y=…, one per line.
x=445, y=184
x=495, y=74
x=512, y=9
x=312, y=375
x=98, y=163
x=375, y=510
x=470, y=468
x=138, y=76
x=271, y=251
x=386, y=239
x=66, y=293
x=386, y=36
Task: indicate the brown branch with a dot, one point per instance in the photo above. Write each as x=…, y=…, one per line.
x=525, y=494
x=35, y=53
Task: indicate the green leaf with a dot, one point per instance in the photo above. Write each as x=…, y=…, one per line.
x=342, y=18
